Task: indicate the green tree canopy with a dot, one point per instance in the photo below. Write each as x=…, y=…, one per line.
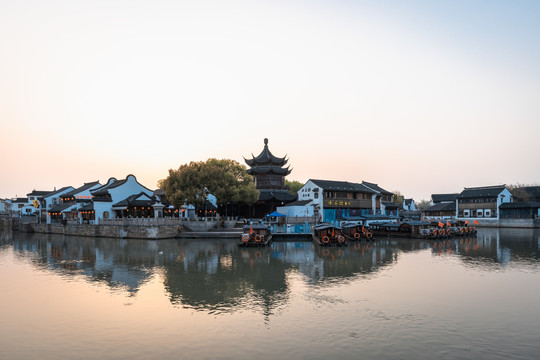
x=293, y=186
x=226, y=179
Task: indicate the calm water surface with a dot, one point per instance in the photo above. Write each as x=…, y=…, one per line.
x=87, y=298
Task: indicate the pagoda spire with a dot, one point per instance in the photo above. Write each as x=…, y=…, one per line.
x=269, y=170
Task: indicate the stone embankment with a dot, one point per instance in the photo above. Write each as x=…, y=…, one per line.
x=189, y=229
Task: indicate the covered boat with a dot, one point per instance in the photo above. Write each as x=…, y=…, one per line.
x=354, y=232
x=328, y=235
x=256, y=235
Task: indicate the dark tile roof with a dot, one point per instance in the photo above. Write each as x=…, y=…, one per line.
x=87, y=207
x=133, y=201
x=377, y=188
x=267, y=169
x=107, y=185
x=441, y=207
x=52, y=193
x=266, y=195
x=266, y=158
x=520, y=205
x=86, y=186
x=437, y=198
x=485, y=191
x=300, y=203
x=39, y=193
x=342, y=186
x=61, y=207
x=104, y=190
x=326, y=226
x=390, y=204
x=20, y=200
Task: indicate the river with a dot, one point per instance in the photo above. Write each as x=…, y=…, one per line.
x=97, y=298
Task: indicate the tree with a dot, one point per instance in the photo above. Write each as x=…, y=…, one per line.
x=519, y=192
x=226, y=179
x=423, y=204
x=293, y=186
x=398, y=198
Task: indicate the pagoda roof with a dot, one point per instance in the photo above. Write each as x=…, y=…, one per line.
x=266, y=158
x=269, y=169
x=266, y=195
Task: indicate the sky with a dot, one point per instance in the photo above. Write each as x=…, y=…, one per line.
x=418, y=96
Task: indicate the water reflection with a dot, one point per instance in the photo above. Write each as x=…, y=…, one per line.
x=218, y=276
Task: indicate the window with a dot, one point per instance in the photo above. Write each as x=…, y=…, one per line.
x=487, y=212
x=316, y=195
x=479, y=213
x=466, y=213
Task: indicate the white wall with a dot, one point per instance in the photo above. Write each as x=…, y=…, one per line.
x=504, y=197
x=50, y=200
x=130, y=187
x=308, y=191
x=293, y=211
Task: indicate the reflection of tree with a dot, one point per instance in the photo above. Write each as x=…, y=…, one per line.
x=220, y=278
x=217, y=275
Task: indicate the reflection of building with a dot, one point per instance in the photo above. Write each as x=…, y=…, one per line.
x=269, y=172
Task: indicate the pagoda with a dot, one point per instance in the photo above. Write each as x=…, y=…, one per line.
x=269, y=172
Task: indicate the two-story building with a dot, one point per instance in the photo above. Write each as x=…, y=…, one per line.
x=444, y=206
x=121, y=198
x=71, y=201
x=339, y=200
x=482, y=202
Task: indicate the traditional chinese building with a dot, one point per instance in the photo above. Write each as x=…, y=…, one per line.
x=343, y=200
x=269, y=172
x=482, y=202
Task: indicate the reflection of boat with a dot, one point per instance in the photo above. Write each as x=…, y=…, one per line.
x=328, y=235
x=354, y=231
x=256, y=235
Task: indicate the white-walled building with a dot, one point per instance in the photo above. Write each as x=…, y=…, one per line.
x=302, y=208
x=336, y=200
x=482, y=203
x=109, y=195
x=54, y=198
x=409, y=205
x=71, y=202
x=5, y=205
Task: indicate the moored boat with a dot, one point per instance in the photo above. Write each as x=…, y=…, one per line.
x=256, y=235
x=355, y=232
x=328, y=235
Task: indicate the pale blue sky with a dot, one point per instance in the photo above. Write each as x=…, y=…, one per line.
x=419, y=96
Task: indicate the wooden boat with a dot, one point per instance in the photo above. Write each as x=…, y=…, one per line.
x=411, y=229
x=256, y=235
x=356, y=232
x=328, y=235
x=387, y=229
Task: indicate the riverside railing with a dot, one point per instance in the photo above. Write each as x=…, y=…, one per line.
x=141, y=221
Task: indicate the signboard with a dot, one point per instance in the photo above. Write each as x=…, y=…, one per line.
x=347, y=203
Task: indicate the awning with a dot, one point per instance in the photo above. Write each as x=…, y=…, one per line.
x=276, y=214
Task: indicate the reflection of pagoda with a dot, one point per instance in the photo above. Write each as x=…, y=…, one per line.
x=269, y=173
